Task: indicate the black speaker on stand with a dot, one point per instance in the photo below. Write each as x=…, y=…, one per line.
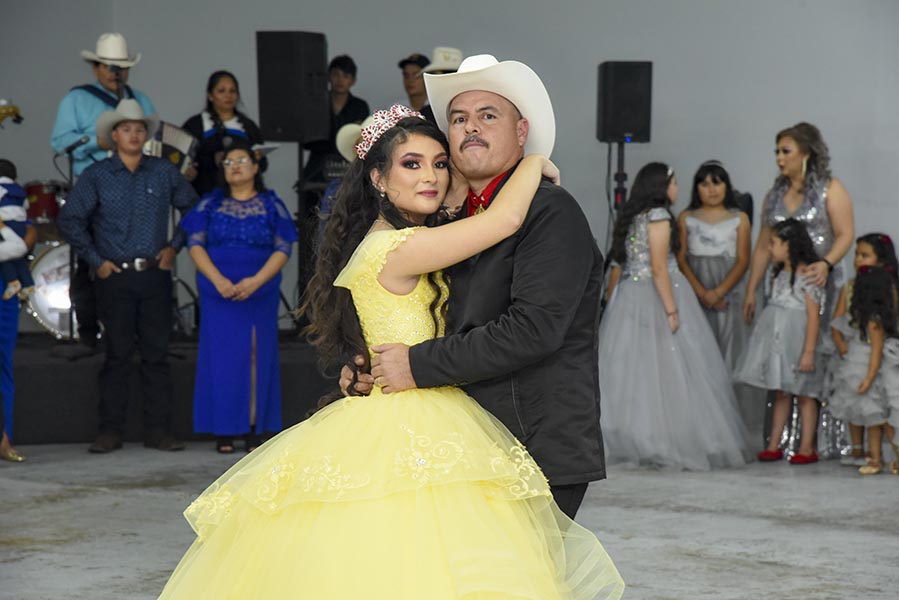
x=623, y=111
x=295, y=106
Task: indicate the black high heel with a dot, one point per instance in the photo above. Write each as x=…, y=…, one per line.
x=224, y=445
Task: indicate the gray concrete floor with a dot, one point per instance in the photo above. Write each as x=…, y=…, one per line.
x=78, y=526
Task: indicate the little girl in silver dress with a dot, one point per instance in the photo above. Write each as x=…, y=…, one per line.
x=781, y=354
x=865, y=390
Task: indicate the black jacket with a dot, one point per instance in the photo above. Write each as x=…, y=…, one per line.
x=523, y=341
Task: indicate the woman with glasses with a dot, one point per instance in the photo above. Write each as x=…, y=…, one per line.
x=240, y=238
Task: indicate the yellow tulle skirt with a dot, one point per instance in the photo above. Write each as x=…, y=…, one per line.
x=419, y=495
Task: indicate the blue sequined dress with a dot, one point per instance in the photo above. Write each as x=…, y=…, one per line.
x=667, y=399
x=239, y=236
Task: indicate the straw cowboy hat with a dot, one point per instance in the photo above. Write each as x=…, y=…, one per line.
x=111, y=50
x=348, y=136
x=446, y=60
x=510, y=79
x=127, y=110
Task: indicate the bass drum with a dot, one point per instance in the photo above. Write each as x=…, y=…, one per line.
x=50, y=304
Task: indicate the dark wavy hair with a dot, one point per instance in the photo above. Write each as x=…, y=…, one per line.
x=240, y=144
x=810, y=141
x=802, y=250
x=874, y=299
x=650, y=190
x=715, y=170
x=334, y=327
x=885, y=252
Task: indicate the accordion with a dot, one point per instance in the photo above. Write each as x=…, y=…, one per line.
x=173, y=143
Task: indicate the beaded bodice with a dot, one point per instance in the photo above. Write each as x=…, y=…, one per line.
x=712, y=239
x=387, y=317
x=638, y=265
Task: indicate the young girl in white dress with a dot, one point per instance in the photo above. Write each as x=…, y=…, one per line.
x=781, y=354
x=667, y=398
x=714, y=257
x=866, y=377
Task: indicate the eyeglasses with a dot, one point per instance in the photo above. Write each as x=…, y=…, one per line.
x=230, y=162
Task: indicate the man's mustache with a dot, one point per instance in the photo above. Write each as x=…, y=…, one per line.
x=473, y=138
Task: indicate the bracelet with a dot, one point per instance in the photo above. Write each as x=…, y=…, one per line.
x=829, y=264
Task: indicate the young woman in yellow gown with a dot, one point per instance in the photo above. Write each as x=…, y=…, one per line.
x=420, y=494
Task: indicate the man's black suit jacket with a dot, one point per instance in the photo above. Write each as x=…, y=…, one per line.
x=523, y=318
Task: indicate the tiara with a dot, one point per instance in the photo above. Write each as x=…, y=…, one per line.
x=382, y=121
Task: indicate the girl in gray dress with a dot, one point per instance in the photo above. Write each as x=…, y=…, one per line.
x=714, y=257
x=667, y=397
x=781, y=354
x=865, y=391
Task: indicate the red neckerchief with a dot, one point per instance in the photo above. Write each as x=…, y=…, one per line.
x=478, y=203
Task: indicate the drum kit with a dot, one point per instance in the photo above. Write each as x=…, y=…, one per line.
x=49, y=304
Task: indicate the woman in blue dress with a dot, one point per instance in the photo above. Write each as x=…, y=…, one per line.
x=239, y=238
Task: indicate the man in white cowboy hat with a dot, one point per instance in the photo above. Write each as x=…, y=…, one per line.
x=116, y=218
x=524, y=314
x=81, y=107
x=76, y=120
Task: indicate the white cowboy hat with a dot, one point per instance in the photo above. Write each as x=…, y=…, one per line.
x=127, y=110
x=514, y=81
x=348, y=136
x=111, y=50
x=446, y=60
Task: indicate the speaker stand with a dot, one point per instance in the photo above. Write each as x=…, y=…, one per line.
x=620, y=179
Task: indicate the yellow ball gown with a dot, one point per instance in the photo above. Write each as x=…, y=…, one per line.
x=417, y=495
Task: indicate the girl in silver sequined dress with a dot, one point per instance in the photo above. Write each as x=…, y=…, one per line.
x=667, y=398
x=782, y=354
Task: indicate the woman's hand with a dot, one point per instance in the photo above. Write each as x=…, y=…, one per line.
x=807, y=362
x=842, y=346
x=225, y=288
x=816, y=273
x=749, y=308
x=551, y=171
x=721, y=306
x=709, y=298
x=865, y=385
x=246, y=287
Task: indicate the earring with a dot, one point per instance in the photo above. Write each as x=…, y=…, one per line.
x=804, y=167
x=381, y=192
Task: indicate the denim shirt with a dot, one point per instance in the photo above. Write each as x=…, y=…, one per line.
x=114, y=214
x=77, y=117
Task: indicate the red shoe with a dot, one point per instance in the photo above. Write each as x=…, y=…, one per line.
x=769, y=456
x=804, y=459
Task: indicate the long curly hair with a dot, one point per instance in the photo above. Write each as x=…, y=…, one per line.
x=884, y=251
x=810, y=141
x=874, y=299
x=650, y=190
x=715, y=170
x=334, y=327
x=802, y=250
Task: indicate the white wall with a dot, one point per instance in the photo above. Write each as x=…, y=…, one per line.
x=727, y=74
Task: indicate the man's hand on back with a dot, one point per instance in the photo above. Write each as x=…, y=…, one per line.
x=391, y=369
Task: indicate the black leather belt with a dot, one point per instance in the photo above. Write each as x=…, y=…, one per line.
x=139, y=264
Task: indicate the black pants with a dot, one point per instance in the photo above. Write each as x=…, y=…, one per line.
x=83, y=294
x=137, y=312
x=569, y=497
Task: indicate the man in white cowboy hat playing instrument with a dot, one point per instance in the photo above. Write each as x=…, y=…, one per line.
x=524, y=314
x=81, y=107
x=76, y=124
x=117, y=219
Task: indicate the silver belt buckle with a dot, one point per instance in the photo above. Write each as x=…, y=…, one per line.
x=141, y=264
